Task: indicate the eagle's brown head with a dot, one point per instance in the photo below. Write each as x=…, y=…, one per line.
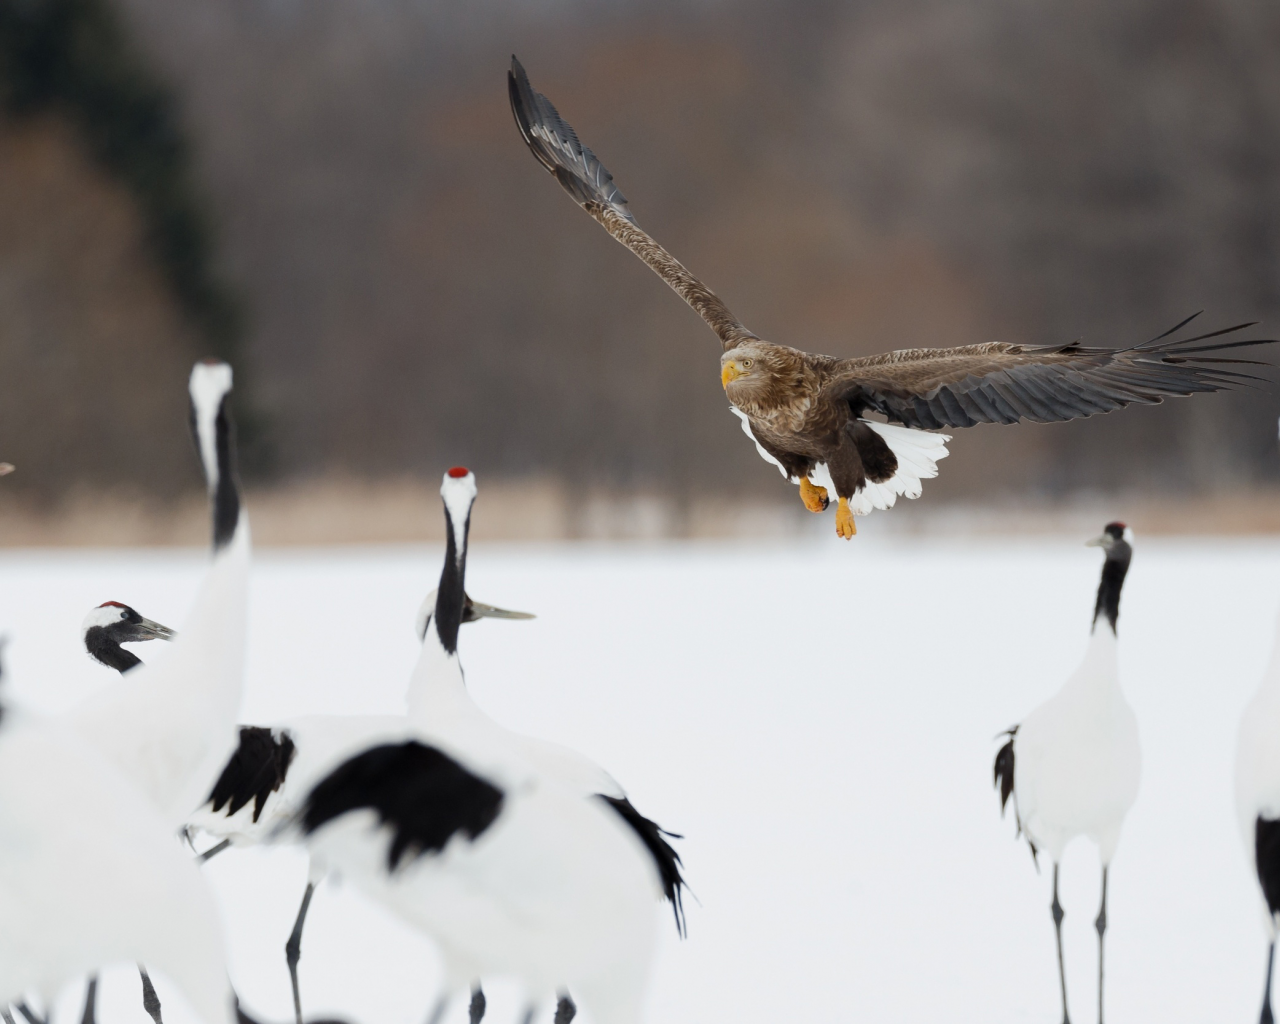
x=759, y=374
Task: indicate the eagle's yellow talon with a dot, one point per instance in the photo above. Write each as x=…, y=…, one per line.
x=844, y=520
x=814, y=497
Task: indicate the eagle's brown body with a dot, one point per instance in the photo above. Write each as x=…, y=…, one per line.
x=806, y=411
x=802, y=424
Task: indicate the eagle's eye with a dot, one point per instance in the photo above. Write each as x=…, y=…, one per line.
x=746, y=363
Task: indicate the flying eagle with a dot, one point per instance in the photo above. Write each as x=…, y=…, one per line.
x=805, y=412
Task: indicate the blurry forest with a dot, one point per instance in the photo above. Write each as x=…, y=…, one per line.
x=404, y=288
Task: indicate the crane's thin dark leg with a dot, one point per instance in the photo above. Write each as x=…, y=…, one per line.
x=90, y=1014
x=437, y=1011
x=1101, y=924
x=293, y=950
x=27, y=1012
x=241, y=1016
x=1056, y=907
x=530, y=1010
x=1267, y=1018
x=150, y=1001
x=478, y=1003
x=213, y=851
x=6, y=1016
x=566, y=1008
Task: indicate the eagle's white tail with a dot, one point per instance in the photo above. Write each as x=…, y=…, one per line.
x=917, y=451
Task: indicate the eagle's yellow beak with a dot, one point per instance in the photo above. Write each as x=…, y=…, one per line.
x=729, y=373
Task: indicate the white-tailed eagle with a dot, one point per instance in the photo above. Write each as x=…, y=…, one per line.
x=805, y=412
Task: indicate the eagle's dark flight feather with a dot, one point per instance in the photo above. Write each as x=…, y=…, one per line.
x=1004, y=383
x=554, y=142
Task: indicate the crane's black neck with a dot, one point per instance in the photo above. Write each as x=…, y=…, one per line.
x=451, y=597
x=226, y=496
x=1114, y=570
x=224, y=501
x=103, y=647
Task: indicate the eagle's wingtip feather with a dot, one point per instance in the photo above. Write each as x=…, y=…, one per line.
x=555, y=144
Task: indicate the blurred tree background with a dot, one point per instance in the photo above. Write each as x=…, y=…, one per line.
x=333, y=193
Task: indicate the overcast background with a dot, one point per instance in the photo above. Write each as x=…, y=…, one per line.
x=404, y=288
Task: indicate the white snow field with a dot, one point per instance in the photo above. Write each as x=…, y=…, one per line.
x=819, y=720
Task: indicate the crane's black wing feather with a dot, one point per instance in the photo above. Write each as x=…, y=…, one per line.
x=420, y=792
x=664, y=855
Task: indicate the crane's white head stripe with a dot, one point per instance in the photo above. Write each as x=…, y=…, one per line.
x=107, y=614
x=210, y=384
x=459, y=493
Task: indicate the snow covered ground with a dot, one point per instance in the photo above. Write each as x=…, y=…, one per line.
x=818, y=719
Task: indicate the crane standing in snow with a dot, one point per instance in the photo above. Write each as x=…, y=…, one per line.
x=1073, y=764
x=508, y=868
x=69, y=821
x=266, y=778
x=168, y=728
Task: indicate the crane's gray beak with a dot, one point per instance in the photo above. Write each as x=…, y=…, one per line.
x=148, y=630
x=479, y=610
x=1105, y=541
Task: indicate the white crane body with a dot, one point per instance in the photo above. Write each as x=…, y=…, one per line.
x=1073, y=765
x=90, y=876
x=1079, y=759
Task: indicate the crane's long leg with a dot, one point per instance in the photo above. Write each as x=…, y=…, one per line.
x=150, y=1001
x=566, y=1009
x=293, y=950
x=90, y=1014
x=6, y=1016
x=529, y=1011
x=1056, y=908
x=437, y=1011
x=1266, y=1017
x=1101, y=924
x=27, y=1012
x=213, y=851
x=478, y=1003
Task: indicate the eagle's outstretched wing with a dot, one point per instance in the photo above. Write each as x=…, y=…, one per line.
x=1004, y=383
x=581, y=174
